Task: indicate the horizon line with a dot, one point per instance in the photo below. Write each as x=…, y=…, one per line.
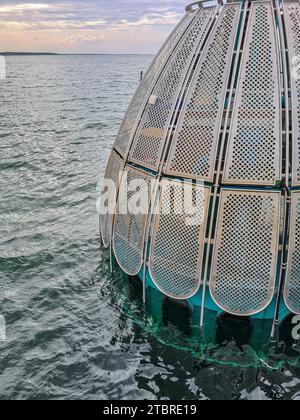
x=7, y=53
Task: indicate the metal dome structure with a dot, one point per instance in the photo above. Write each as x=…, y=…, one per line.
x=220, y=103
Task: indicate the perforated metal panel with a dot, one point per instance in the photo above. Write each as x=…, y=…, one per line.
x=129, y=228
x=292, y=286
x=177, y=240
x=292, y=21
x=246, y=249
x=182, y=107
x=254, y=152
x=150, y=137
x=139, y=100
x=194, y=147
x=114, y=166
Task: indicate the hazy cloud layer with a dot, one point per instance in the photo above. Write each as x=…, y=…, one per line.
x=102, y=26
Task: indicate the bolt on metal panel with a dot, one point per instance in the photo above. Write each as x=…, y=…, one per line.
x=113, y=169
x=292, y=285
x=254, y=154
x=154, y=125
x=130, y=223
x=178, y=239
x=246, y=251
x=194, y=146
x=292, y=23
x=133, y=114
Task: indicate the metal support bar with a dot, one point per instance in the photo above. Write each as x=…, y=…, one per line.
x=155, y=193
x=190, y=7
x=287, y=196
x=216, y=190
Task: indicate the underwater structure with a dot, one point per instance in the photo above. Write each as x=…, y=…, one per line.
x=219, y=108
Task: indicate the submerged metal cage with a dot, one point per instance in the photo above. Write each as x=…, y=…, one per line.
x=219, y=103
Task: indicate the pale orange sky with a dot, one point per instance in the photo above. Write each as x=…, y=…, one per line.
x=87, y=26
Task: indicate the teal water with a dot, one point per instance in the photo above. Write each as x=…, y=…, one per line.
x=73, y=331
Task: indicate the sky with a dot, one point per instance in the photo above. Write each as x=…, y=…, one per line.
x=87, y=26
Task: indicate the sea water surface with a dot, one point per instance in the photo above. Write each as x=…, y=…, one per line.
x=73, y=330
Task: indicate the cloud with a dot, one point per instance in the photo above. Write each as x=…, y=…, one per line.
x=62, y=24
x=19, y=8
x=132, y=12
x=85, y=39
x=126, y=25
x=152, y=20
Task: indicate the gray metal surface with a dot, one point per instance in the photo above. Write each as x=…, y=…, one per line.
x=194, y=146
x=177, y=245
x=292, y=286
x=292, y=23
x=114, y=166
x=153, y=128
x=254, y=154
x=139, y=100
x=177, y=125
x=246, y=250
x=129, y=228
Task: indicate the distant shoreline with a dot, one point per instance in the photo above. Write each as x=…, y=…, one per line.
x=9, y=54
x=24, y=53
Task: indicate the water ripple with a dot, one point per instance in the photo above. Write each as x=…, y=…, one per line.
x=73, y=330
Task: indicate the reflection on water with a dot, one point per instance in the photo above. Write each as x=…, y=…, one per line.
x=184, y=356
x=236, y=329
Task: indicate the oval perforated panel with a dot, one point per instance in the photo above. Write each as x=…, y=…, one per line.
x=292, y=23
x=254, y=153
x=130, y=225
x=139, y=100
x=114, y=166
x=177, y=240
x=194, y=147
x=292, y=286
x=152, y=131
x=246, y=249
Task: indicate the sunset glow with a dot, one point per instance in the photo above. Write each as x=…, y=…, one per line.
x=87, y=26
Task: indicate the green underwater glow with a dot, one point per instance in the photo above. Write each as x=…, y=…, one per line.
x=126, y=295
